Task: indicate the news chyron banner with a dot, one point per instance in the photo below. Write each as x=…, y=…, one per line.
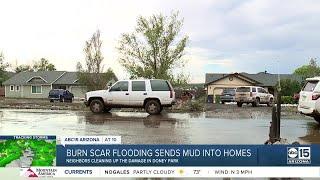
x=187, y=155
x=105, y=156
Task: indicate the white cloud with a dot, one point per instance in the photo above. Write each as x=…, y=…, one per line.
x=200, y=58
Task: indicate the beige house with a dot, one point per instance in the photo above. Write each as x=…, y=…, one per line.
x=216, y=82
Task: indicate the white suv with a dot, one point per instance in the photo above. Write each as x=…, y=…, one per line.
x=152, y=95
x=309, y=101
x=253, y=94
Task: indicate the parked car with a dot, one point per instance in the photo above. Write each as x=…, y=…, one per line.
x=152, y=95
x=309, y=101
x=228, y=95
x=296, y=97
x=254, y=95
x=60, y=95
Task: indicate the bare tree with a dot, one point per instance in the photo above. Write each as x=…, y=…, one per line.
x=91, y=74
x=3, y=67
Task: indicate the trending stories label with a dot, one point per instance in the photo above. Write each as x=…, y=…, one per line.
x=187, y=155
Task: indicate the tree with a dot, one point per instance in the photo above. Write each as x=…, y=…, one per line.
x=289, y=87
x=310, y=70
x=23, y=68
x=92, y=75
x=152, y=50
x=43, y=65
x=3, y=67
x=109, y=75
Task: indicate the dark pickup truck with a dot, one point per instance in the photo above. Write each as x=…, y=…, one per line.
x=228, y=95
x=60, y=95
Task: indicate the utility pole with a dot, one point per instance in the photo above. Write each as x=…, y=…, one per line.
x=274, y=134
x=278, y=108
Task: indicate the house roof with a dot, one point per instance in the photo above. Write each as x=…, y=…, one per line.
x=68, y=78
x=48, y=77
x=262, y=78
x=191, y=86
x=22, y=78
x=217, y=77
x=196, y=85
x=267, y=79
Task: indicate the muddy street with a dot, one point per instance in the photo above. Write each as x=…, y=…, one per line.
x=167, y=128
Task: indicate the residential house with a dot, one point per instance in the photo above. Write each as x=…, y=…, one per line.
x=38, y=84
x=8, y=75
x=216, y=82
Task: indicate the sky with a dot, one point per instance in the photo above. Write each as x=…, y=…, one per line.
x=225, y=36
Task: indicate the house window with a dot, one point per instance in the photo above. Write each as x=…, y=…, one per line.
x=11, y=87
x=17, y=88
x=36, y=89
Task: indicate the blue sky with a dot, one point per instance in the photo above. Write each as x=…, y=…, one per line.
x=225, y=36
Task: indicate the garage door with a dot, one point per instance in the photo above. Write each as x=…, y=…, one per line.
x=78, y=91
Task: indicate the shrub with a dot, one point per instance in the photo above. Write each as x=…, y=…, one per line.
x=287, y=100
x=218, y=99
x=289, y=87
x=196, y=106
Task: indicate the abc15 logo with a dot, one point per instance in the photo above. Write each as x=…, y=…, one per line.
x=299, y=153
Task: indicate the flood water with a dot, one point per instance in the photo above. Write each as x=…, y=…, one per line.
x=167, y=128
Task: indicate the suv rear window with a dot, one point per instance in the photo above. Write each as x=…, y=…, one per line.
x=310, y=85
x=159, y=85
x=138, y=86
x=229, y=91
x=52, y=92
x=243, y=89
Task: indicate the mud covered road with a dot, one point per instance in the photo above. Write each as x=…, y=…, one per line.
x=228, y=126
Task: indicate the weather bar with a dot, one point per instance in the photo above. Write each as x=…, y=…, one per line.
x=175, y=172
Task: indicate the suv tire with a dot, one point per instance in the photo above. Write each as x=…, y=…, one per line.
x=256, y=102
x=270, y=103
x=107, y=109
x=61, y=99
x=96, y=106
x=317, y=118
x=153, y=107
x=239, y=104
